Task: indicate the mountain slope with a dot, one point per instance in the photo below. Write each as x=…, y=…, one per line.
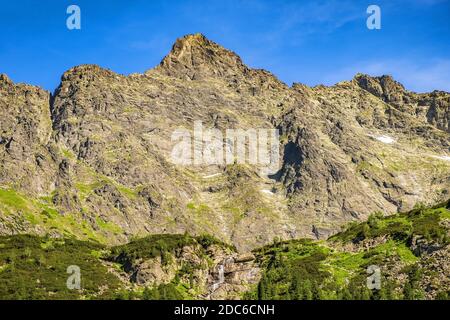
x=410, y=250
x=93, y=160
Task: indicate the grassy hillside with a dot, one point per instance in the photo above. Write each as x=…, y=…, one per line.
x=411, y=250
x=33, y=267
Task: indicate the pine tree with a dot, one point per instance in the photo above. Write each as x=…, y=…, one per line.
x=262, y=290
x=408, y=292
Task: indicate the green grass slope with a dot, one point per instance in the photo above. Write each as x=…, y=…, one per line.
x=410, y=249
x=404, y=246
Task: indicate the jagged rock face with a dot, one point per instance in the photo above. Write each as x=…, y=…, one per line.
x=25, y=130
x=432, y=107
x=195, y=57
x=100, y=149
x=218, y=273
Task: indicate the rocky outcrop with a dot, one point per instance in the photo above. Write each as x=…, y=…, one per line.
x=431, y=107
x=233, y=276
x=26, y=149
x=216, y=272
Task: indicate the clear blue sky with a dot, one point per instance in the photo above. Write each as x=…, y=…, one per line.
x=311, y=42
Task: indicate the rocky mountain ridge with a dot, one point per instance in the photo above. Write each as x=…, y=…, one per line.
x=92, y=160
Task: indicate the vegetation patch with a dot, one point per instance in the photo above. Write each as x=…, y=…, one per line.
x=306, y=269
x=36, y=268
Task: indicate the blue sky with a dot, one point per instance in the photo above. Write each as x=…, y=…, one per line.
x=311, y=42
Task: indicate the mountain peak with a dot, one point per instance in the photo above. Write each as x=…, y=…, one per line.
x=384, y=80
x=384, y=87
x=5, y=79
x=194, y=39
x=194, y=57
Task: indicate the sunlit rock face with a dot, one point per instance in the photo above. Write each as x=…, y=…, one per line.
x=93, y=160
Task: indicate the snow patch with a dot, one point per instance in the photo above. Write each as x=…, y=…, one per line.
x=385, y=139
x=267, y=192
x=212, y=176
x=445, y=158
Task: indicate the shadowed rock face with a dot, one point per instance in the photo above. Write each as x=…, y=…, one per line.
x=432, y=107
x=95, y=156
